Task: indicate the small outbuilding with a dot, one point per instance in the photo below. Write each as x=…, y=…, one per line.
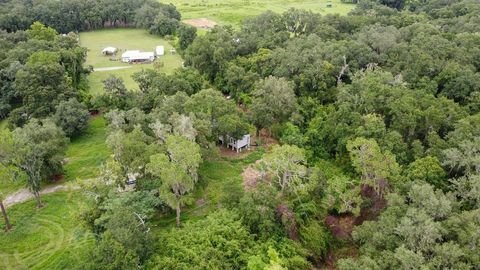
x=237, y=145
x=160, y=50
x=109, y=51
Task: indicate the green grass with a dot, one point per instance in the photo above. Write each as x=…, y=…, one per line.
x=87, y=152
x=46, y=238
x=123, y=39
x=234, y=11
x=220, y=181
x=3, y=124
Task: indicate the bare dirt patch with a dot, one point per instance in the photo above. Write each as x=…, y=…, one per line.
x=201, y=23
x=251, y=176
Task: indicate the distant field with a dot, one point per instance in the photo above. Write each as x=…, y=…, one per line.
x=122, y=39
x=234, y=11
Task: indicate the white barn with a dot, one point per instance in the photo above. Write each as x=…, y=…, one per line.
x=160, y=50
x=136, y=56
x=237, y=145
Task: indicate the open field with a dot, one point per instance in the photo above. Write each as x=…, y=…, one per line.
x=234, y=11
x=46, y=238
x=123, y=39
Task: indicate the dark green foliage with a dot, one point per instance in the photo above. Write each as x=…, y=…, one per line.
x=72, y=117
x=186, y=35
x=421, y=229
x=220, y=237
x=83, y=15
x=163, y=25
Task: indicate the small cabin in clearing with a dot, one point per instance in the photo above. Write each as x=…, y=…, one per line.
x=109, y=51
x=237, y=145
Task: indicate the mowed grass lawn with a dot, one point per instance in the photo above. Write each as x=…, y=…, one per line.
x=123, y=39
x=46, y=238
x=234, y=11
x=86, y=153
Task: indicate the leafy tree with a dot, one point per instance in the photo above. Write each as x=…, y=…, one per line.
x=427, y=169
x=286, y=165
x=185, y=154
x=131, y=150
x=299, y=21
x=186, y=35
x=273, y=102
x=258, y=209
x=72, y=116
x=42, y=84
x=374, y=166
x=115, y=91
x=210, y=53
x=110, y=254
x=465, y=158
x=39, y=151
x=292, y=135
x=233, y=126
x=187, y=248
x=467, y=188
x=176, y=184
x=163, y=25
x=41, y=32
x=237, y=81
x=417, y=231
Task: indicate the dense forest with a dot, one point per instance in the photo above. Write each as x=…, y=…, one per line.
x=375, y=118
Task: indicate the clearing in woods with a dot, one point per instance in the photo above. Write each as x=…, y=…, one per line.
x=234, y=11
x=123, y=39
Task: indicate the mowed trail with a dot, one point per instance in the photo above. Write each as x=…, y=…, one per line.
x=51, y=236
x=23, y=195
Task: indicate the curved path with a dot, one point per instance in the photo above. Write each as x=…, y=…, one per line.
x=24, y=194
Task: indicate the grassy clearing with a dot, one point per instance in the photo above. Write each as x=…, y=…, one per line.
x=220, y=182
x=87, y=152
x=46, y=238
x=234, y=11
x=3, y=124
x=123, y=39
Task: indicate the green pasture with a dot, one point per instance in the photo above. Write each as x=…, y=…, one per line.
x=46, y=238
x=234, y=11
x=123, y=39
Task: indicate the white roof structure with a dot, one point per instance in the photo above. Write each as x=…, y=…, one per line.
x=109, y=50
x=128, y=54
x=142, y=56
x=137, y=56
x=160, y=50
